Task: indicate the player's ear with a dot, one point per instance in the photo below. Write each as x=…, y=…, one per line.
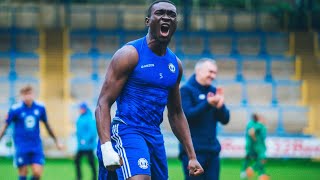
x=147, y=21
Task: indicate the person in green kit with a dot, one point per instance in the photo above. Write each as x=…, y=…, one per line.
x=256, y=133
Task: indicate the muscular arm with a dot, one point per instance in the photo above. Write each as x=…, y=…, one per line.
x=122, y=64
x=177, y=119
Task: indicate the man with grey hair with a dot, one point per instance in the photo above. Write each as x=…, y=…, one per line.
x=203, y=105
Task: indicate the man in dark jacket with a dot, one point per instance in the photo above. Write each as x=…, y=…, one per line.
x=204, y=107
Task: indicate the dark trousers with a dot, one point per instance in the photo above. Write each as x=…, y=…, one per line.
x=77, y=161
x=210, y=162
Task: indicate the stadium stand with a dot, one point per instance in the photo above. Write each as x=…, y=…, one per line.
x=251, y=76
x=255, y=58
x=19, y=63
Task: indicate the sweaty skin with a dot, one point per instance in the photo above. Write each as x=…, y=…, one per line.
x=162, y=25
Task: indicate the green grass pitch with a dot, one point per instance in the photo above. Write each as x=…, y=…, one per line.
x=63, y=169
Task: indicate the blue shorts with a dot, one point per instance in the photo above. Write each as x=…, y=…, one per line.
x=28, y=158
x=142, y=151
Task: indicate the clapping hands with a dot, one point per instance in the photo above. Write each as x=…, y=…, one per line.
x=217, y=99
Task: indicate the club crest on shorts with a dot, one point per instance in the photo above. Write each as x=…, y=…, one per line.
x=172, y=68
x=143, y=163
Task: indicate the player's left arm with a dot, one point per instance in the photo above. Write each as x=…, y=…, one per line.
x=52, y=135
x=180, y=127
x=49, y=130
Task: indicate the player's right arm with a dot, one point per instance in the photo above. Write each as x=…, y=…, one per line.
x=9, y=119
x=122, y=64
x=3, y=130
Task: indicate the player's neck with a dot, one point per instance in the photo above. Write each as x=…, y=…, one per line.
x=159, y=48
x=28, y=104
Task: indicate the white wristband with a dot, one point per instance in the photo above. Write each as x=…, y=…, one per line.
x=107, y=146
x=109, y=156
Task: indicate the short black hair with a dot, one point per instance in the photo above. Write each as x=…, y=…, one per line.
x=156, y=2
x=255, y=117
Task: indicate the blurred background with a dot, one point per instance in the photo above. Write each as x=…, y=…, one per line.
x=267, y=52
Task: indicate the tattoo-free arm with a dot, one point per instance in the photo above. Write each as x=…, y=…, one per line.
x=50, y=131
x=122, y=64
x=177, y=119
x=3, y=130
x=8, y=121
x=180, y=127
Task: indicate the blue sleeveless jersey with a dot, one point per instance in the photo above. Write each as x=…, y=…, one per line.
x=144, y=96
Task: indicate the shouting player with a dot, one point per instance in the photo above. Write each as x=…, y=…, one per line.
x=143, y=77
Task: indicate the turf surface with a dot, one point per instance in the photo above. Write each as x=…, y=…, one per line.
x=63, y=169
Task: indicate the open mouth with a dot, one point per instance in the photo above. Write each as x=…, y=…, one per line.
x=164, y=30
